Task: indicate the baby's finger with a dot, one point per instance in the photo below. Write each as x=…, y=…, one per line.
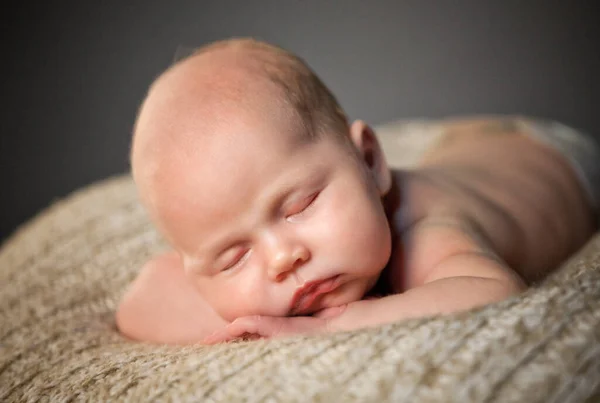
x=330, y=312
x=257, y=326
x=220, y=336
x=263, y=326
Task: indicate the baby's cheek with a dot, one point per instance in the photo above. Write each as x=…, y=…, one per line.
x=219, y=297
x=232, y=308
x=335, y=223
x=357, y=227
x=243, y=299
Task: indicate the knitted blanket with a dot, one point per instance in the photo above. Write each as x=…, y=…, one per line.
x=62, y=274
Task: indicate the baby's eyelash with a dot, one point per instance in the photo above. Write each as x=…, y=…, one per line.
x=302, y=205
x=238, y=259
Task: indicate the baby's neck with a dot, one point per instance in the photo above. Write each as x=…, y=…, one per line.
x=391, y=204
x=391, y=201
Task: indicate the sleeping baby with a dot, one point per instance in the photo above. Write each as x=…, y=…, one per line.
x=284, y=217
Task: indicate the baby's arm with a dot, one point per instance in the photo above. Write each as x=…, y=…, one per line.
x=449, y=268
x=162, y=306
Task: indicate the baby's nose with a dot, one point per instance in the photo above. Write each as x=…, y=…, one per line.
x=287, y=259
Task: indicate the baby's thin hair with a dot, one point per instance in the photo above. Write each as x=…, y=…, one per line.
x=316, y=105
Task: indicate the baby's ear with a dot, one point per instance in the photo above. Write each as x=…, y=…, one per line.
x=368, y=146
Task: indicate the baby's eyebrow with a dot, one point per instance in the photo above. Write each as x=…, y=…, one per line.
x=277, y=200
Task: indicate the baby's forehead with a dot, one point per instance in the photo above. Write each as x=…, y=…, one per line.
x=223, y=161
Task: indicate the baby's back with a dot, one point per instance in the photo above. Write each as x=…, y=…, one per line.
x=516, y=196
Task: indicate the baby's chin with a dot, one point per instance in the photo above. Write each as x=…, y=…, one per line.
x=345, y=294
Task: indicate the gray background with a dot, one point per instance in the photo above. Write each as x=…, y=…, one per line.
x=73, y=75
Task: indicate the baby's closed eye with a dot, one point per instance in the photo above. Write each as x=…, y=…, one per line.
x=300, y=205
x=232, y=257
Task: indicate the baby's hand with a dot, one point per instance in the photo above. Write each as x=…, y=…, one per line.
x=253, y=327
x=257, y=326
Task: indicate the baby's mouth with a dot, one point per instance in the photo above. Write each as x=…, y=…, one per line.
x=305, y=296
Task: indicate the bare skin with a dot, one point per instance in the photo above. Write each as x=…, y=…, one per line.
x=474, y=223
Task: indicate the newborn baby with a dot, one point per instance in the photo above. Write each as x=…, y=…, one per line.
x=284, y=217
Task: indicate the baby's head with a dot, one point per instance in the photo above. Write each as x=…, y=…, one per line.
x=248, y=167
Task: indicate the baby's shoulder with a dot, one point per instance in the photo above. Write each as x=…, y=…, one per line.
x=427, y=225
x=422, y=195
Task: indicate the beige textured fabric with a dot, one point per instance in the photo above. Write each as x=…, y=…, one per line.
x=61, y=276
